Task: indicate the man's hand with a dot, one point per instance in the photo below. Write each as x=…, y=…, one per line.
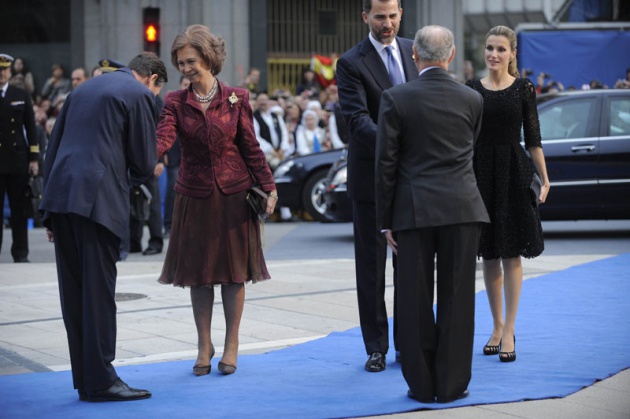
x=33, y=168
x=159, y=169
x=50, y=236
x=390, y=241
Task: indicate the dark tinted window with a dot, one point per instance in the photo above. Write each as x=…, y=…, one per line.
x=619, y=116
x=566, y=120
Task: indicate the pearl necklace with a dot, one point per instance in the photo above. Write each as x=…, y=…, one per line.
x=209, y=96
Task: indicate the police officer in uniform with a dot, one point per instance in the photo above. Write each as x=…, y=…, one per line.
x=18, y=159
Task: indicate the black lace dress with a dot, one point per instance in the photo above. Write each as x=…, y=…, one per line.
x=504, y=171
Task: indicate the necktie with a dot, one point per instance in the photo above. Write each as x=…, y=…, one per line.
x=392, y=66
x=316, y=147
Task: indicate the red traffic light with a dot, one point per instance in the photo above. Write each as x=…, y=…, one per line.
x=151, y=33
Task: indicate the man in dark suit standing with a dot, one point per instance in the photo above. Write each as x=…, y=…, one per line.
x=103, y=140
x=379, y=62
x=18, y=156
x=426, y=192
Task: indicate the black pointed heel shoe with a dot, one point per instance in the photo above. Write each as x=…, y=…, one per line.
x=491, y=349
x=508, y=356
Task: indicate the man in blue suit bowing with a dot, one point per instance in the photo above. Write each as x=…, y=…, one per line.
x=380, y=61
x=103, y=141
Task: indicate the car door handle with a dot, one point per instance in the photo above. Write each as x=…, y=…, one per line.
x=590, y=147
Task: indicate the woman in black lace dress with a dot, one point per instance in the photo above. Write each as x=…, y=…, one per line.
x=504, y=174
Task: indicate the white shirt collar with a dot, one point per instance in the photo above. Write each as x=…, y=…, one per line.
x=424, y=70
x=4, y=89
x=380, y=48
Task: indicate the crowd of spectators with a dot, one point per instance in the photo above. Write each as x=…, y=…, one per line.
x=306, y=120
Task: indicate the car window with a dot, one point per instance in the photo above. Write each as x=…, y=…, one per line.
x=568, y=119
x=619, y=116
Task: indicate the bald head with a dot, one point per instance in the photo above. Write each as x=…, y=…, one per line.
x=434, y=45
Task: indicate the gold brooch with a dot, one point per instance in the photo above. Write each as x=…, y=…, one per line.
x=233, y=99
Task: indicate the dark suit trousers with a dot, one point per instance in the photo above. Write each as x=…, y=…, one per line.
x=370, y=254
x=15, y=185
x=86, y=254
x=437, y=355
x=155, y=220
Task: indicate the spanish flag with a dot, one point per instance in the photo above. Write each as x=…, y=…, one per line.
x=324, y=69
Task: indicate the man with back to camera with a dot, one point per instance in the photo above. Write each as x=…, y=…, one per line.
x=379, y=62
x=86, y=210
x=19, y=154
x=427, y=193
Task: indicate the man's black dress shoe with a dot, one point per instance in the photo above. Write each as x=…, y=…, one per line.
x=376, y=362
x=118, y=392
x=419, y=399
x=462, y=395
x=151, y=251
x=82, y=395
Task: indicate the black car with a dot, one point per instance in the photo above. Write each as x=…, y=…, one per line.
x=586, y=142
x=300, y=182
x=338, y=205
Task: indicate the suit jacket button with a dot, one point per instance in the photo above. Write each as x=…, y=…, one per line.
x=14, y=144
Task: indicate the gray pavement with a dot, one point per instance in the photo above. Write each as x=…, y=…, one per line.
x=312, y=294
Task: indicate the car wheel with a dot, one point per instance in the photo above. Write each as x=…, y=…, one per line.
x=313, y=195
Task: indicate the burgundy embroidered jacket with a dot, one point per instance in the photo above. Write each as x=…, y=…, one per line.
x=219, y=145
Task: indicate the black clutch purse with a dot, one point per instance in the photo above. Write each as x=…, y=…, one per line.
x=535, y=187
x=257, y=200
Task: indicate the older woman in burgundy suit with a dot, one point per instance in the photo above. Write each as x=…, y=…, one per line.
x=215, y=238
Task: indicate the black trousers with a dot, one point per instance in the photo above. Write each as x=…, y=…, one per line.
x=86, y=254
x=155, y=221
x=15, y=186
x=436, y=354
x=370, y=254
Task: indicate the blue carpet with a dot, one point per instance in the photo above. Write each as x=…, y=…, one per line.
x=569, y=336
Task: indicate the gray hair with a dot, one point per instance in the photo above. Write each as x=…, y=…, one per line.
x=434, y=44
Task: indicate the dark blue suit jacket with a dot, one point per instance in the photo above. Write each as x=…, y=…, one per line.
x=361, y=78
x=103, y=140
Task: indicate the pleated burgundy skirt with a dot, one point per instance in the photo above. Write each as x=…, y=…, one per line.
x=214, y=240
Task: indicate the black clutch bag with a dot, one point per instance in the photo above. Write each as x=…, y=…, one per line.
x=257, y=200
x=535, y=187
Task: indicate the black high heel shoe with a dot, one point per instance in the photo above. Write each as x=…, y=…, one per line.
x=200, y=370
x=508, y=356
x=491, y=349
